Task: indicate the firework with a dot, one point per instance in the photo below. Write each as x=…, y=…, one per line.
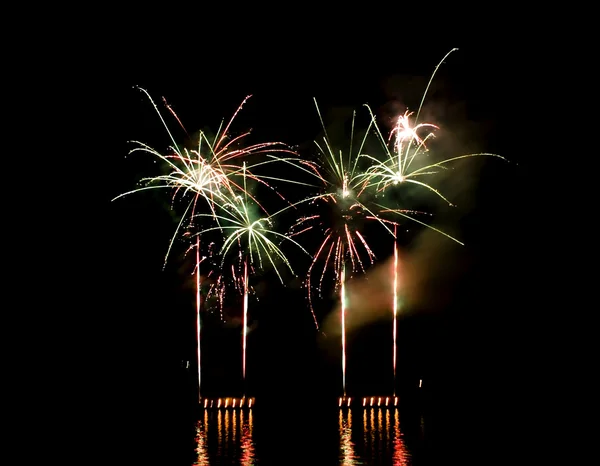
x=406, y=162
x=255, y=241
x=345, y=195
x=350, y=201
x=212, y=171
x=210, y=174
x=406, y=153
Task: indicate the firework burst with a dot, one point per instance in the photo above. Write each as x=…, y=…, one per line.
x=256, y=243
x=405, y=162
x=348, y=201
x=406, y=154
x=212, y=173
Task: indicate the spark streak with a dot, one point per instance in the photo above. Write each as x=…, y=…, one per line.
x=349, y=203
x=343, y=311
x=245, y=331
x=395, y=305
x=209, y=173
x=198, y=303
x=253, y=236
x=347, y=197
x=404, y=151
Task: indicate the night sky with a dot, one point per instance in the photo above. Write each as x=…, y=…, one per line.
x=467, y=332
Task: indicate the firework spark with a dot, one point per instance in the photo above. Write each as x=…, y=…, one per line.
x=406, y=162
x=209, y=174
x=255, y=241
x=406, y=153
x=212, y=171
x=350, y=201
x=349, y=196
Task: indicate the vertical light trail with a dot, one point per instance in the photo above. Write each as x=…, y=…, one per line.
x=198, y=314
x=401, y=455
x=245, y=334
x=220, y=433
x=343, y=300
x=395, y=304
x=234, y=424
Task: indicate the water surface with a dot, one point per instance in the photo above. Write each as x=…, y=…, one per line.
x=365, y=436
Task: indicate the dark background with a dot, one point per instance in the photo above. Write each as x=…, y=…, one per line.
x=473, y=341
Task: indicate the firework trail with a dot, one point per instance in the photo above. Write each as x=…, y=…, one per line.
x=198, y=305
x=255, y=239
x=343, y=312
x=395, y=306
x=209, y=174
x=405, y=162
x=350, y=201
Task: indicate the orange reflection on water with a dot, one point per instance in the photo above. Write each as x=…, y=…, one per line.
x=365, y=428
x=401, y=456
x=220, y=432
x=381, y=430
x=247, y=442
x=201, y=447
x=383, y=437
x=372, y=431
x=233, y=432
x=226, y=430
x=234, y=427
x=347, y=453
x=388, y=441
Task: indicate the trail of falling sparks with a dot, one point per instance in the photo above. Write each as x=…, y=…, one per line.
x=349, y=193
x=343, y=312
x=404, y=149
x=245, y=332
x=346, y=196
x=406, y=146
x=349, y=197
x=209, y=173
x=395, y=304
x=198, y=304
x=253, y=238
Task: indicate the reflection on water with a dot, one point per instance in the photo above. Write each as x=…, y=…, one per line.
x=367, y=436
x=224, y=437
x=347, y=454
x=247, y=443
x=401, y=456
x=378, y=439
x=201, y=447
